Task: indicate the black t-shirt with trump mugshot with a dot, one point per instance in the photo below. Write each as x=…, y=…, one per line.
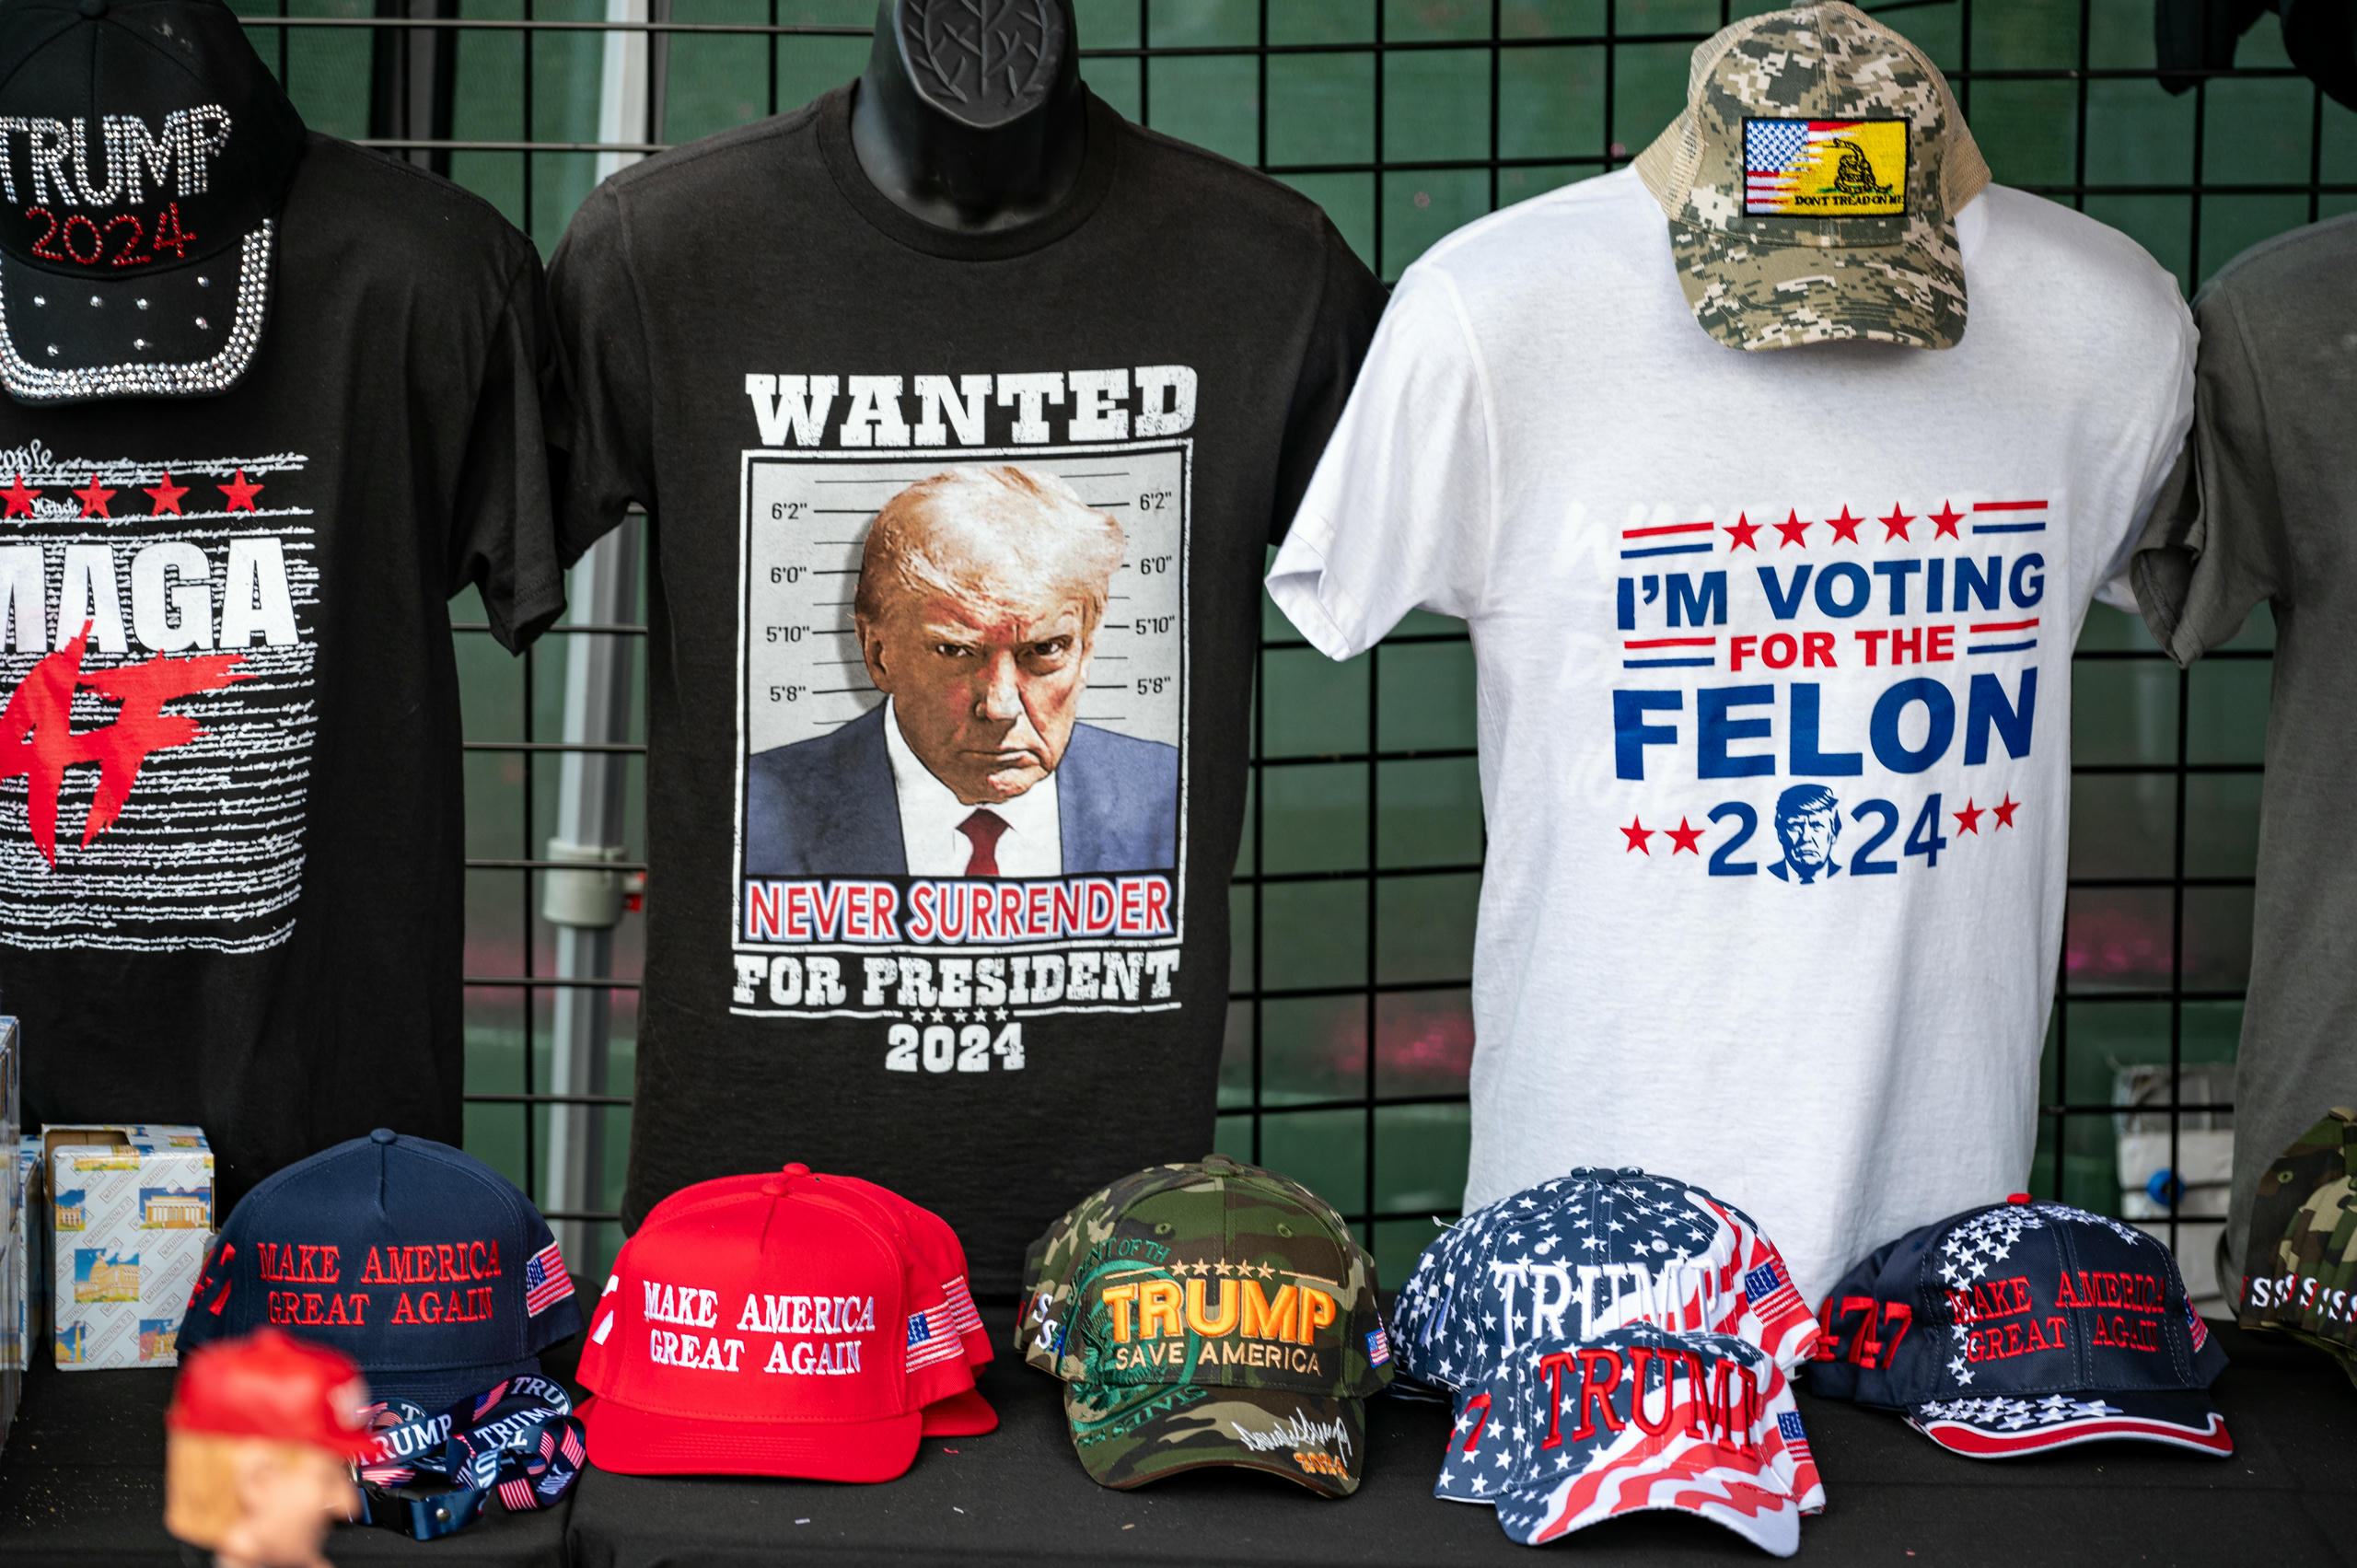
x=954, y=599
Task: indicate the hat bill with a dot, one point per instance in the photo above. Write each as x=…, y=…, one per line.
x=1128, y=1437
x=1701, y=1478
x=2001, y=1428
x=966, y=1414
x=439, y=1387
x=1752, y=294
x=627, y=1440
x=189, y=330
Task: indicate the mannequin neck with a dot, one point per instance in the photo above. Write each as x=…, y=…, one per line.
x=957, y=176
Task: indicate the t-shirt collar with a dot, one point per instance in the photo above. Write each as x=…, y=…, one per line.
x=1098, y=161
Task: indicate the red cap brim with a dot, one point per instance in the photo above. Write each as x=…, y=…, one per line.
x=961, y=1415
x=629, y=1441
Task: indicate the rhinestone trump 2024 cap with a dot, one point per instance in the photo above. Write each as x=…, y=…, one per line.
x=144, y=151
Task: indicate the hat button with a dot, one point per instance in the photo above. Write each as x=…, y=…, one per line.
x=382, y=1134
x=797, y=1169
x=92, y=7
x=773, y=1189
x=2018, y=1198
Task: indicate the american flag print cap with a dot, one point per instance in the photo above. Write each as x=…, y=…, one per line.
x=2023, y=1327
x=1585, y=1254
x=1567, y=1434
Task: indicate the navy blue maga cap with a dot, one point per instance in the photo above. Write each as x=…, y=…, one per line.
x=414, y=1259
x=2021, y=1326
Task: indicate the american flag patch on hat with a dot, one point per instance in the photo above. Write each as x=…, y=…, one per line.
x=545, y=1281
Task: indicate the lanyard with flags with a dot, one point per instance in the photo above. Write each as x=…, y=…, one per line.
x=520, y=1439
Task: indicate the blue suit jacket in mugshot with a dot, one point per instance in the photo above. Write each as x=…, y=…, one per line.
x=826, y=807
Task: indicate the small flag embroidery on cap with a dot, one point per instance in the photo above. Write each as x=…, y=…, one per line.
x=958, y=1308
x=1824, y=167
x=1788, y=1425
x=545, y=1281
x=1378, y=1346
x=926, y=1347
x=2194, y=1326
x=1772, y=1293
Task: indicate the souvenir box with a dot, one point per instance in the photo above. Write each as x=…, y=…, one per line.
x=129, y=1215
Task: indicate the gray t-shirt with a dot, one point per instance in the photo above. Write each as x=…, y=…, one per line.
x=2264, y=506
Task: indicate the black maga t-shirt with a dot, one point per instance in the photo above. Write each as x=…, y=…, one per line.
x=1086, y=431
x=262, y=935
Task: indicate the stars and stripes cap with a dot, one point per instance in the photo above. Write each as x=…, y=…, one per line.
x=1563, y=1434
x=948, y=1305
x=2021, y=1326
x=1812, y=184
x=775, y=1325
x=1587, y=1254
x=146, y=151
x=1208, y=1313
x=420, y=1262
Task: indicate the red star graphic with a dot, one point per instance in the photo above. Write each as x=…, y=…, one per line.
x=241, y=494
x=2005, y=809
x=1894, y=525
x=1742, y=529
x=1945, y=521
x=93, y=500
x=1636, y=833
x=1793, y=529
x=1968, y=819
x=19, y=499
x=1845, y=527
x=168, y=496
x=1684, y=836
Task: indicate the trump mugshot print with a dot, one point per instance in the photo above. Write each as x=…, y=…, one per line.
x=962, y=706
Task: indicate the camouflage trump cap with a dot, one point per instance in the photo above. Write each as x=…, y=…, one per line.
x=2301, y=1271
x=1208, y=1314
x=1812, y=184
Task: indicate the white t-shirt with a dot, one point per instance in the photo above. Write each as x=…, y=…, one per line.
x=1775, y=874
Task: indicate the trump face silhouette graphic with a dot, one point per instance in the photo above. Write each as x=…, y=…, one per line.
x=1808, y=819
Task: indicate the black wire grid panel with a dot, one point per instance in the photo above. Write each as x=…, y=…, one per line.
x=1349, y=1031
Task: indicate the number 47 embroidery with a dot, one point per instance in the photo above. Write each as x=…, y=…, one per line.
x=1866, y=1348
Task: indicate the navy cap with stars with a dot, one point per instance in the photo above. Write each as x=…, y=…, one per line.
x=1583, y=1256
x=145, y=153
x=2021, y=1326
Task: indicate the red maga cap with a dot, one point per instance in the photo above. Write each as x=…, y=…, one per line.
x=772, y=1325
x=273, y=1386
x=953, y=1407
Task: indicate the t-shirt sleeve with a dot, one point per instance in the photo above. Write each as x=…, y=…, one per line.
x=503, y=531
x=603, y=440
x=1400, y=513
x=1350, y=303
x=2215, y=546
x=2170, y=417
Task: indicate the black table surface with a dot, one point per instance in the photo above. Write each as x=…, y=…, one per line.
x=81, y=1482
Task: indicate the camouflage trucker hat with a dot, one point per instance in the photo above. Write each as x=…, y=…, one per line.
x=2300, y=1272
x=1208, y=1314
x=1812, y=184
